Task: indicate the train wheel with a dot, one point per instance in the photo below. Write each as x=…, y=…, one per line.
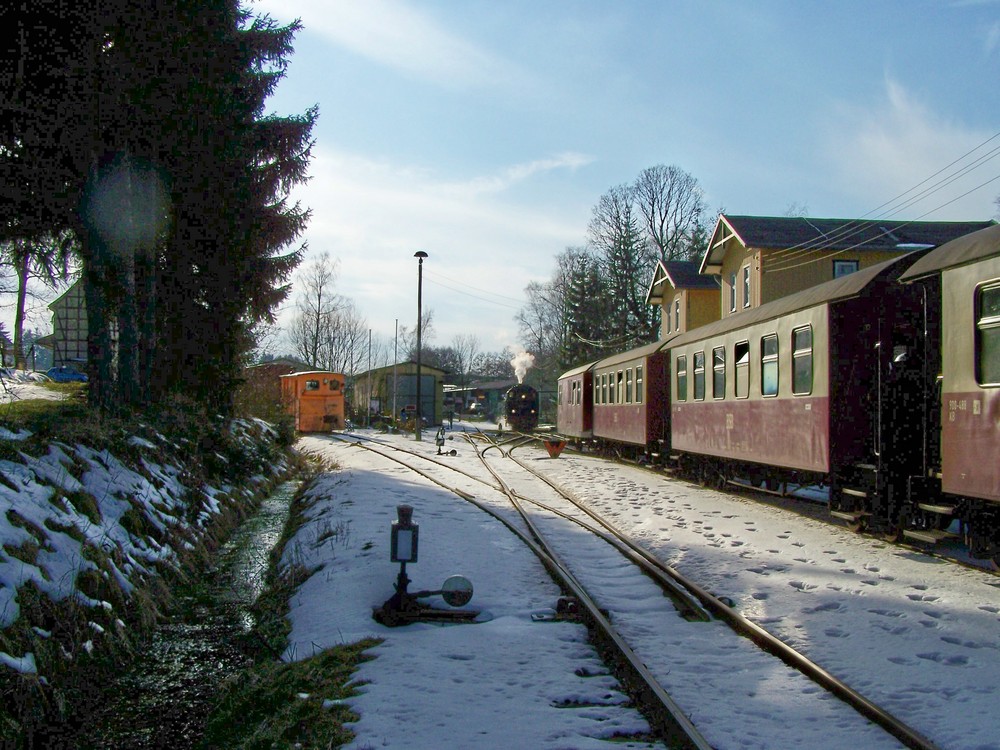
x=893, y=533
x=859, y=526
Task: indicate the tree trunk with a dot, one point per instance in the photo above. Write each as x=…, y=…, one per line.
x=20, y=362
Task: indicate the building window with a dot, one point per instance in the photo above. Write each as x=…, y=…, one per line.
x=769, y=366
x=682, y=378
x=802, y=360
x=668, y=319
x=719, y=372
x=677, y=315
x=732, y=292
x=638, y=384
x=844, y=267
x=699, y=376
x=988, y=335
x=628, y=386
x=741, y=353
x=746, y=286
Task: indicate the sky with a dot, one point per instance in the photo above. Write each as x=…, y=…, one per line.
x=484, y=133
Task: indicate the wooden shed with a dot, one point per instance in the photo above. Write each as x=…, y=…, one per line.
x=315, y=399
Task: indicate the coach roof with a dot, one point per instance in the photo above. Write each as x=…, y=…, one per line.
x=958, y=252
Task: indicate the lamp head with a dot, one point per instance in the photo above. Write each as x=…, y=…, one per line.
x=420, y=254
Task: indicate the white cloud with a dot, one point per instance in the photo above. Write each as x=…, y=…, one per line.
x=891, y=151
x=395, y=34
x=374, y=215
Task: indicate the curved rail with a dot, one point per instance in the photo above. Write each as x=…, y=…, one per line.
x=662, y=711
x=765, y=640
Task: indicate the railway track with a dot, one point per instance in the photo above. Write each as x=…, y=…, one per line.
x=689, y=600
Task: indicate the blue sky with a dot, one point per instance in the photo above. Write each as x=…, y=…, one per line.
x=484, y=132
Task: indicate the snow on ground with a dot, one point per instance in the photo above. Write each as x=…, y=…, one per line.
x=20, y=385
x=47, y=541
x=915, y=634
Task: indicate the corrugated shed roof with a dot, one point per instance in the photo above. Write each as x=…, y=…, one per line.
x=972, y=247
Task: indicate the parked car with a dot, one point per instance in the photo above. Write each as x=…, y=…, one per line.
x=66, y=374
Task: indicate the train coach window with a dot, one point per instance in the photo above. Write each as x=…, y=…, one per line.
x=719, y=372
x=620, y=395
x=699, y=376
x=741, y=353
x=638, y=384
x=682, y=378
x=769, y=365
x=802, y=361
x=988, y=335
x=312, y=385
x=628, y=386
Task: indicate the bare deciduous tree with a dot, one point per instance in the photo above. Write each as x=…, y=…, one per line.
x=466, y=348
x=672, y=205
x=316, y=304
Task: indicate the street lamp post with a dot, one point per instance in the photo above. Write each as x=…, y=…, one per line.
x=419, y=255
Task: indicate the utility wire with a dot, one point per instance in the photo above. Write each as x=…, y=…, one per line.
x=847, y=249
x=854, y=227
x=475, y=296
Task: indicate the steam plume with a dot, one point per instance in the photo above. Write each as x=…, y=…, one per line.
x=521, y=363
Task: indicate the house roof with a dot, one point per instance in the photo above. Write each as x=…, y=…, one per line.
x=679, y=274
x=958, y=252
x=786, y=232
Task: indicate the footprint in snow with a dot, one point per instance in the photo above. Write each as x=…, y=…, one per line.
x=839, y=560
x=948, y=661
x=921, y=598
x=848, y=571
x=886, y=612
x=760, y=595
x=836, y=633
x=870, y=582
x=990, y=608
x=802, y=585
x=959, y=642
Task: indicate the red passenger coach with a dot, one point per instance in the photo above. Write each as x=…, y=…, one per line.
x=630, y=397
x=786, y=388
x=574, y=410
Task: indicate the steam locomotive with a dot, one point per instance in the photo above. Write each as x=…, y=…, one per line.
x=520, y=408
